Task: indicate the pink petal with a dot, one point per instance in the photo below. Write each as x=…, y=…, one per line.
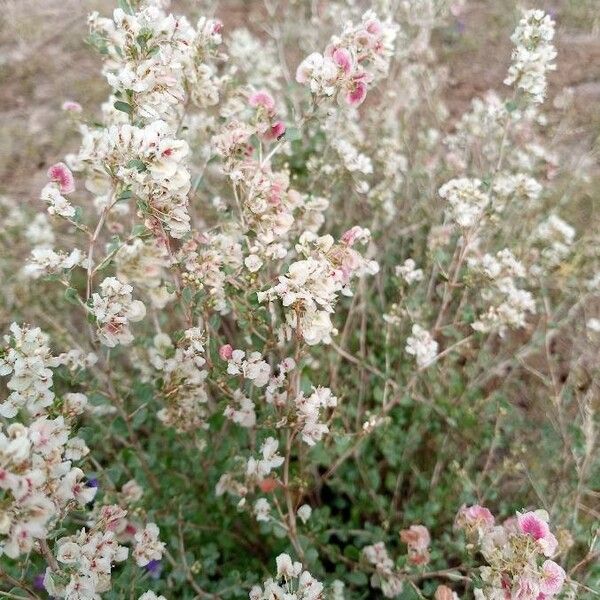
x=343, y=59
x=532, y=525
x=357, y=95
x=276, y=131
x=552, y=579
x=62, y=175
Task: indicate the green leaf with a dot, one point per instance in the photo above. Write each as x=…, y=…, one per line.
x=137, y=164
x=72, y=295
x=123, y=107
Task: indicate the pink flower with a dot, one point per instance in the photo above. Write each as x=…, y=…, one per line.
x=357, y=94
x=530, y=523
x=262, y=99
x=276, y=131
x=62, y=175
x=226, y=352
x=552, y=579
x=71, y=106
x=416, y=537
x=343, y=59
x=350, y=236
x=476, y=515
x=373, y=26
x=527, y=589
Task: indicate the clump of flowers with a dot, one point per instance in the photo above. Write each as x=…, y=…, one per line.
x=514, y=553
x=532, y=58
x=385, y=577
x=226, y=375
x=291, y=582
x=466, y=200
x=114, y=309
x=352, y=61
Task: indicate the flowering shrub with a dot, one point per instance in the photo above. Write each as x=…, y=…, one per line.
x=293, y=332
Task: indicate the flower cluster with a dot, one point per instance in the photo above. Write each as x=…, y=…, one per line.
x=311, y=286
x=557, y=237
x=532, y=58
x=251, y=367
x=515, y=554
x=308, y=413
x=61, y=184
x=148, y=162
x=352, y=61
x=114, y=309
x=290, y=583
x=422, y=346
x=86, y=560
x=466, y=200
x=26, y=357
x=417, y=538
x=147, y=545
x=153, y=60
x=385, y=577
x=509, y=304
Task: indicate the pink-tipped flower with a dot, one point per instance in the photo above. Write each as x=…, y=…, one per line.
x=216, y=26
x=343, y=59
x=532, y=524
x=262, y=99
x=355, y=233
x=62, y=175
x=416, y=537
x=71, y=106
x=552, y=578
x=226, y=352
x=357, y=94
x=275, y=131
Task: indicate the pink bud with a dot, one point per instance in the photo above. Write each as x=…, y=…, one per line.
x=217, y=26
x=226, y=352
x=62, y=175
x=276, y=131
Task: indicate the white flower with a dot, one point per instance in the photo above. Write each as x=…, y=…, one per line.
x=467, y=201
x=270, y=460
x=147, y=545
x=253, y=263
x=149, y=595
x=532, y=58
x=304, y=513
x=409, y=272
x=262, y=509
x=114, y=308
x=421, y=345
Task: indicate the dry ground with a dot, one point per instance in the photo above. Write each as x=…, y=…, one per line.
x=44, y=60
